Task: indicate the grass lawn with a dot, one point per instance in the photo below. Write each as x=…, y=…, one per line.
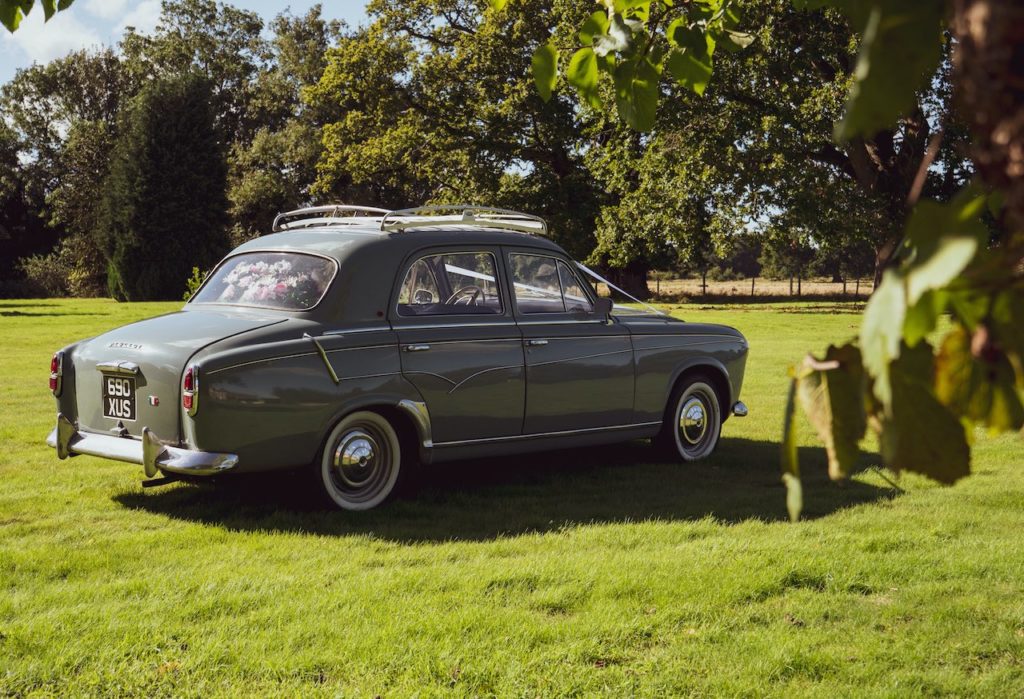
x=587, y=572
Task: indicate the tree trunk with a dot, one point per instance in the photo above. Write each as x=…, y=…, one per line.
x=856, y=291
x=791, y=285
x=844, y=287
x=704, y=283
x=752, y=280
x=799, y=284
x=632, y=278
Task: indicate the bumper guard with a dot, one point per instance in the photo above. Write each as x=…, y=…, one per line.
x=154, y=455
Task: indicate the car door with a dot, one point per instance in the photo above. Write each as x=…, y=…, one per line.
x=460, y=345
x=579, y=368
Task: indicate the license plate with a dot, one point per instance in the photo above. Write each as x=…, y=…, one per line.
x=119, y=397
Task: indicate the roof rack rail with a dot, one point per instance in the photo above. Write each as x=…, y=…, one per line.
x=324, y=215
x=463, y=215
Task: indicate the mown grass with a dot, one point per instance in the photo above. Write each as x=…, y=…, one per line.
x=598, y=571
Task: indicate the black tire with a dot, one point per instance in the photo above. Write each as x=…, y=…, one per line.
x=693, y=420
x=360, y=461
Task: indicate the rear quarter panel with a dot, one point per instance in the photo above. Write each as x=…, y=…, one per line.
x=272, y=404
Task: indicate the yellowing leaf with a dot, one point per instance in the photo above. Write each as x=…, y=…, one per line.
x=918, y=433
x=981, y=389
x=789, y=458
x=881, y=332
x=831, y=392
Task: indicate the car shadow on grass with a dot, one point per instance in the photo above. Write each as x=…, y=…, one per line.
x=484, y=499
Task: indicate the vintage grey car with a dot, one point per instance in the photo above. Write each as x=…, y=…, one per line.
x=360, y=342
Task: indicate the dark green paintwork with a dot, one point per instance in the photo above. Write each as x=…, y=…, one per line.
x=266, y=395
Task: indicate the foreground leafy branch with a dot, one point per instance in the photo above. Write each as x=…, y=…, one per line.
x=963, y=259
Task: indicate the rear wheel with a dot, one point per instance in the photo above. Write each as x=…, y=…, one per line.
x=361, y=461
x=693, y=420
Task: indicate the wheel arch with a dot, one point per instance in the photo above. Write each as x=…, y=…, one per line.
x=715, y=371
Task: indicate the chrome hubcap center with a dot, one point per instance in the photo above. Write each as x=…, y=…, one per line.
x=693, y=421
x=356, y=458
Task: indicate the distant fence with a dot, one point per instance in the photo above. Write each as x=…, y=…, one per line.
x=672, y=289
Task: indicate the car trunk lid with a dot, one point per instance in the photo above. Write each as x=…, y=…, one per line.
x=149, y=357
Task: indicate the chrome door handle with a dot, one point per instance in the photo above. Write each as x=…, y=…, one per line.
x=536, y=343
x=417, y=348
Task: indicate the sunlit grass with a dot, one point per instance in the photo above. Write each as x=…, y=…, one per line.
x=598, y=571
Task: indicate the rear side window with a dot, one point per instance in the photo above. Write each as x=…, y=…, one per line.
x=280, y=280
x=546, y=285
x=463, y=283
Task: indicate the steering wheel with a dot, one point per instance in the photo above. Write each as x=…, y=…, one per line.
x=470, y=293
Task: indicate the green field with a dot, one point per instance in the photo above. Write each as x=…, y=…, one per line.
x=587, y=572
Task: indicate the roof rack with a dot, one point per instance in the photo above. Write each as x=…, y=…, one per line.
x=462, y=215
x=324, y=215
x=405, y=219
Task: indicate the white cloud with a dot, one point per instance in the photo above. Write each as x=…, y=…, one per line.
x=144, y=17
x=106, y=9
x=42, y=43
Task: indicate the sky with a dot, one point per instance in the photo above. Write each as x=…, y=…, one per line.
x=90, y=23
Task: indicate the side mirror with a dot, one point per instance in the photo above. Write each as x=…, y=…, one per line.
x=603, y=307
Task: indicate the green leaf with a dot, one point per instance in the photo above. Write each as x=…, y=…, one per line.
x=13, y=11
x=981, y=389
x=617, y=39
x=582, y=74
x=49, y=8
x=691, y=62
x=881, y=332
x=789, y=458
x=831, y=392
x=900, y=49
x=497, y=5
x=919, y=434
x=596, y=25
x=636, y=92
x=943, y=239
x=923, y=316
x=545, y=73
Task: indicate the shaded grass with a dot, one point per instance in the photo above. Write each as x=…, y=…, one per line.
x=593, y=571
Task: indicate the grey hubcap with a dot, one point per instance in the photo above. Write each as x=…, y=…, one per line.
x=358, y=460
x=693, y=423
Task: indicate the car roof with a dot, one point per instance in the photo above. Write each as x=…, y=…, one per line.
x=369, y=259
x=341, y=243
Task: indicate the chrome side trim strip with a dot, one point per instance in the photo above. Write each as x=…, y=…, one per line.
x=398, y=327
x=350, y=331
x=576, y=359
x=538, y=435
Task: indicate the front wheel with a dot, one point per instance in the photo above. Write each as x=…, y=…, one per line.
x=693, y=420
x=361, y=461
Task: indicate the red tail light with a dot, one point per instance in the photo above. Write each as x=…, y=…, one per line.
x=56, y=371
x=190, y=390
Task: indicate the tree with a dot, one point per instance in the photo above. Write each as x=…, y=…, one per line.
x=277, y=169
x=433, y=103
x=165, y=209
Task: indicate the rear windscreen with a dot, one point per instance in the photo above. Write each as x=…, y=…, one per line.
x=280, y=280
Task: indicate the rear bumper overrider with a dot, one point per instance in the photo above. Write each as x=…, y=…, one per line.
x=154, y=455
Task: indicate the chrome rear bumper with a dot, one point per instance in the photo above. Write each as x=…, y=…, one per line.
x=149, y=451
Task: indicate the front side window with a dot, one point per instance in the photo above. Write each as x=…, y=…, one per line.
x=279, y=280
x=546, y=285
x=462, y=283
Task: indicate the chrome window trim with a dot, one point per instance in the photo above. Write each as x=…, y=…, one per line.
x=405, y=270
x=280, y=251
x=537, y=435
x=442, y=326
